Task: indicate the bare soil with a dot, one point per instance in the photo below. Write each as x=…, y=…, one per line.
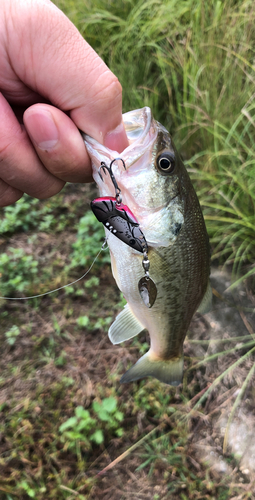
x=55, y=366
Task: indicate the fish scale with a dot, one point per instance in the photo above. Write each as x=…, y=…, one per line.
x=157, y=190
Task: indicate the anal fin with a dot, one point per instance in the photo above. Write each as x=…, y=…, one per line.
x=125, y=327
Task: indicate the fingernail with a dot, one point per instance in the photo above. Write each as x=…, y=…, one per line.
x=117, y=139
x=42, y=129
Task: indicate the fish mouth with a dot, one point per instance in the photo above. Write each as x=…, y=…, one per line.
x=141, y=132
x=137, y=124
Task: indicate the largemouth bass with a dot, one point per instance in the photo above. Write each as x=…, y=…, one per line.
x=157, y=190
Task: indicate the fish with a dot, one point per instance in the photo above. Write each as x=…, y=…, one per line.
x=157, y=192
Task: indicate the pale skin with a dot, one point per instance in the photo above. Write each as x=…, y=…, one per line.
x=52, y=84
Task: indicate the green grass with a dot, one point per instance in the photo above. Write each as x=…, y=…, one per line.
x=192, y=62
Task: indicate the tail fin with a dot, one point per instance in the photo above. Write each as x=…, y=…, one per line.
x=167, y=371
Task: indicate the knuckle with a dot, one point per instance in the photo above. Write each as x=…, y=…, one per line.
x=5, y=149
x=109, y=89
x=8, y=194
x=49, y=190
x=11, y=140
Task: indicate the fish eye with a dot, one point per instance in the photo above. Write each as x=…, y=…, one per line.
x=166, y=163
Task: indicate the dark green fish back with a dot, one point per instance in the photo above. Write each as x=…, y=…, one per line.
x=188, y=264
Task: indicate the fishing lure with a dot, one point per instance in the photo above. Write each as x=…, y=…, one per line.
x=121, y=222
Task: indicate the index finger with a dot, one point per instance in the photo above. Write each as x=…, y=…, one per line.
x=60, y=65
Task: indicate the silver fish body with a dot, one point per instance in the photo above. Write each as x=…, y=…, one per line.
x=157, y=189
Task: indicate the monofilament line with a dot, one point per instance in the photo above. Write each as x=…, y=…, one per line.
x=61, y=287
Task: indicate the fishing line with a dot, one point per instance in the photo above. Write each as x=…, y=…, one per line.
x=64, y=286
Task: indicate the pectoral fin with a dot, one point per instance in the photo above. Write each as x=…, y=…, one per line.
x=206, y=303
x=125, y=327
x=167, y=371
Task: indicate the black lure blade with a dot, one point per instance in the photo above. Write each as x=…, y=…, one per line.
x=119, y=219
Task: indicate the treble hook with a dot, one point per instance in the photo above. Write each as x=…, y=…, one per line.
x=103, y=166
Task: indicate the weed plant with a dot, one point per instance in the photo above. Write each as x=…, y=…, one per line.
x=84, y=429
x=18, y=272
x=28, y=213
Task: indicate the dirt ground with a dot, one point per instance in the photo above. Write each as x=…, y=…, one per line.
x=54, y=366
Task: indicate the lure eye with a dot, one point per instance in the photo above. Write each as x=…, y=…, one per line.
x=166, y=163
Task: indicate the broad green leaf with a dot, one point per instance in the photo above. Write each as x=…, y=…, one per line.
x=109, y=404
x=71, y=422
x=98, y=437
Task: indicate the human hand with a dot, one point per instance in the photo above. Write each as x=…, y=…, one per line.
x=44, y=59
